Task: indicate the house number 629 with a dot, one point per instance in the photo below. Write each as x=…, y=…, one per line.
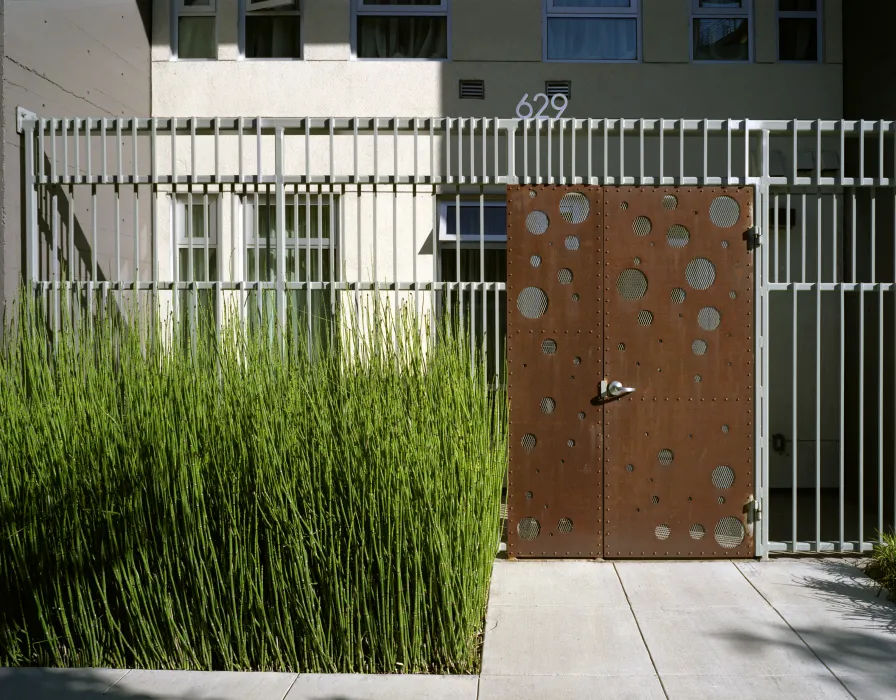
x=524, y=110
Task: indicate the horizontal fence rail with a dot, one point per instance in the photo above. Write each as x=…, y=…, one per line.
x=305, y=218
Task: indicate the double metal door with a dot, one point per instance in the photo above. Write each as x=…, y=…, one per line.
x=630, y=360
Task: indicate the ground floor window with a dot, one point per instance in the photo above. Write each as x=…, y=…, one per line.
x=196, y=260
x=311, y=257
x=473, y=248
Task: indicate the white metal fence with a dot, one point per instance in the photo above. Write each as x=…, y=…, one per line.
x=312, y=214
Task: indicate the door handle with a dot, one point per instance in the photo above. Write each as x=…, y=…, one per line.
x=617, y=390
x=613, y=390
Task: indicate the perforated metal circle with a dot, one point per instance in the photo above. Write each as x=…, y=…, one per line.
x=537, y=222
x=724, y=244
x=548, y=405
x=645, y=318
x=732, y=294
x=698, y=378
x=623, y=205
x=535, y=261
x=581, y=415
x=629, y=467
x=529, y=495
x=575, y=297
x=565, y=525
x=572, y=243
x=678, y=236
x=564, y=276
x=723, y=477
x=528, y=529
x=654, y=499
x=720, y=500
x=621, y=347
x=532, y=302
x=662, y=532
x=678, y=295
x=631, y=284
x=532, y=194
x=549, y=346
x=709, y=318
x=574, y=207
x=528, y=442
x=642, y=226
x=724, y=211
x=725, y=429
x=697, y=532
x=577, y=360
x=730, y=533
x=637, y=261
x=666, y=456
x=699, y=347
x=670, y=202
x=700, y=274
x=570, y=443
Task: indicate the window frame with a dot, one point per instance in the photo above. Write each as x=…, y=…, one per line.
x=745, y=12
x=179, y=9
x=443, y=9
x=245, y=12
x=447, y=239
x=180, y=214
x=816, y=14
x=300, y=244
x=549, y=11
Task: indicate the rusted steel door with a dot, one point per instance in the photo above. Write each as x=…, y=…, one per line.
x=555, y=358
x=655, y=296
x=678, y=328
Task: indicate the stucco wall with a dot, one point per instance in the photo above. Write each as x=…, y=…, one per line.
x=499, y=41
x=72, y=58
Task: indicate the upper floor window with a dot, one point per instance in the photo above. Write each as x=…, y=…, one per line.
x=799, y=30
x=592, y=30
x=721, y=30
x=195, y=29
x=270, y=29
x=401, y=29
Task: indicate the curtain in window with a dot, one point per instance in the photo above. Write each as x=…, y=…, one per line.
x=595, y=39
x=272, y=37
x=196, y=37
x=402, y=37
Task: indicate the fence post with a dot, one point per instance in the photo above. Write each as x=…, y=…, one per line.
x=762, y=370
x=26, y=123
x=281, y=236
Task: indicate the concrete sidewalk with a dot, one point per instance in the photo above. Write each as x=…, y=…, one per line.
x=798, y=628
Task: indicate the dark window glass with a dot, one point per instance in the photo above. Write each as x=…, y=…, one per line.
x=196, y=37
x=402, y=37
x=721, y=39
x=273, y=37
x=797, y=39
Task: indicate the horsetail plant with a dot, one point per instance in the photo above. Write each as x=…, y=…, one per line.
x=230, y=503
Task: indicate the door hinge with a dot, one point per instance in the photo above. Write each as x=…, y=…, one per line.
x=753, y=237
x=753, y=510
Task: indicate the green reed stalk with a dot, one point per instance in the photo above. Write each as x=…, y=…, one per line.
x=226, y=506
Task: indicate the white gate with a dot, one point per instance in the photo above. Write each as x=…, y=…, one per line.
x=181, y=213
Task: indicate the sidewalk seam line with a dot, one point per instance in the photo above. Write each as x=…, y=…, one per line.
x=799, y=636
x=118, y=680
x=640, y=631
x=290, y=687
